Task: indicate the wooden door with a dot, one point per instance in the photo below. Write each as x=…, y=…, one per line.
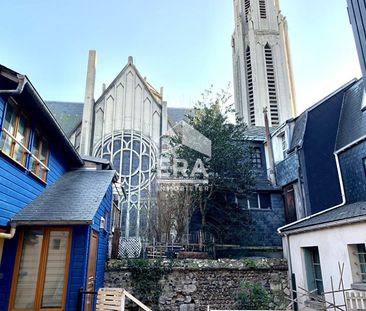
x=92, y=266
x=290, y=205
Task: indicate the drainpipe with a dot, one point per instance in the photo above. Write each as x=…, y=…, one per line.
x=341, y=185
x=22, y=81
x=343, y=194
x=8, y=236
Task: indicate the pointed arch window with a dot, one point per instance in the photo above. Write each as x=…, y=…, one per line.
x=250, y=91
x=262, y=9
x=271, y=84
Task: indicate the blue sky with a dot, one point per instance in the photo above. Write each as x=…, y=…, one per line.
x=181, y=45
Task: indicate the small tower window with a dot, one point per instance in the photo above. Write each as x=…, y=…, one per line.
x=250, y=90
x=262, y=9
x=271, y=83
x=246, y=9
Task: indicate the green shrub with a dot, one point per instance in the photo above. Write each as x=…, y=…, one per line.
x=146, y=276
x=254, y=296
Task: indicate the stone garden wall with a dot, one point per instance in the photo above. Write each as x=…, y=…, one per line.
x=195, y=284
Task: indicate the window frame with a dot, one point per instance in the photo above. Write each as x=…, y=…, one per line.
x=311, y=277
x=358, y=264
x=5, y=134
x=42, y=269
x=38, y=160
x=258, y=199
x=28, y=154
x=256, y=158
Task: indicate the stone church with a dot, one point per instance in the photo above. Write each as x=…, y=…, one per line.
x=125, y=124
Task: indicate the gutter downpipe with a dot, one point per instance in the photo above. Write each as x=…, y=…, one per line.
x=21, y=84
x=279, y=230
x=289, y=263
x=286, y=236
x=22, y=81
x=10, y=235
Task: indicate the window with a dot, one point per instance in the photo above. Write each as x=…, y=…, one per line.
x=264, y=200
x=262, y=9
x=15, y=140
x=15, y=134
x=358, y=262
x=40, y=279
x=271, y=84
x=313, y=270
x=259, y=201
x=283, y=145
x=39, y=156
x=256, y=157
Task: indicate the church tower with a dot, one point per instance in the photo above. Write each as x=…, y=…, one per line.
x=261, y=63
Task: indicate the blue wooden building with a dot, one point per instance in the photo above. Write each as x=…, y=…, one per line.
x=54, y=209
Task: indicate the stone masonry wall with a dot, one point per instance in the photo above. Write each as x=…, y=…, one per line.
x=195, y=284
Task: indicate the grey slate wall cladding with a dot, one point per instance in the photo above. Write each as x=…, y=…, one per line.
x=352, y=123
x=353, y=173
x=286, y=170
x=261, y=225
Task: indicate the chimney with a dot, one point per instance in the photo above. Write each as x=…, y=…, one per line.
x=164, y=117
x=87, y=123
x=272, y=175
x=162, y=92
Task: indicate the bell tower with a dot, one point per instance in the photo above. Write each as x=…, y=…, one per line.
x=262, y=63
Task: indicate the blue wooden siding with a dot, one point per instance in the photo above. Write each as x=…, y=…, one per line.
x=105, y=206
x=6, y=271
x=78, y=265
x=17, y=186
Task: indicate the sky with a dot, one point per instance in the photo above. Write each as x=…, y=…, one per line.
x=184, y=46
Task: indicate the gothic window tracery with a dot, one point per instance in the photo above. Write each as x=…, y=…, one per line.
x=134, y=158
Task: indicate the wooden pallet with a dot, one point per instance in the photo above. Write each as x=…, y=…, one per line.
x=114, y=299
x=356, y=301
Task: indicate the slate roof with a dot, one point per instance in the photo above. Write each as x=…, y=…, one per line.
x=257, y=132
x=73, y=199
x=67, y=114
x=176, y=115
x=340, y=214
x=302, y=120
x=352, y=124
x=41, y=113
